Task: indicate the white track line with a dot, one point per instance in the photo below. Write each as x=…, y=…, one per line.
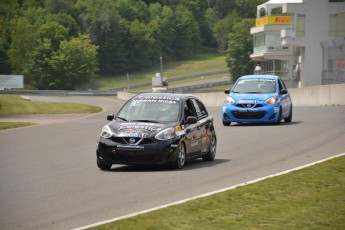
x=206, y=194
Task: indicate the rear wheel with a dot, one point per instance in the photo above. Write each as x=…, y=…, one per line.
x=289, y=118
x=212, y=151
x=180, y=157
x=103, y=166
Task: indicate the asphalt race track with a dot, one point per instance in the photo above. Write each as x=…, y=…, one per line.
x=49, y=178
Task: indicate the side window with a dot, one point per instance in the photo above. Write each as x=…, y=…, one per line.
x=281, y=85
x=200, y=109
x=188, y=109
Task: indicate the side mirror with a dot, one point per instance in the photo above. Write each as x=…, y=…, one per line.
x=191, y=120
x=284, y=91
x=227, y=91
x=110, y=117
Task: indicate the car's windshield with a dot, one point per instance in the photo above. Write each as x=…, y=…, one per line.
x=255, y=85
x=151, y=110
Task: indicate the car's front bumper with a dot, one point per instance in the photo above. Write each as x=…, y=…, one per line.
x=265, y=113
x=157, y=153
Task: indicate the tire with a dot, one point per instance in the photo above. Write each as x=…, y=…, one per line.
x=226, y=123
x=180, y=159
x=289, y=118
x=104, y=166
x=279, y=120
x=212, y=150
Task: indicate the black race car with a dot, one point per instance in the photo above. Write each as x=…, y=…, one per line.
x=157, y=128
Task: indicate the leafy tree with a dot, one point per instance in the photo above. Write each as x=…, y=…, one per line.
x=187, y=40
x=38, y=70
x=73, y=64
x=240, y=47
x=54, y=32
x=24, y=40
x=222, y=28
x=66, y=21
x=163, y=30
x=60, y=6
x=141, y=54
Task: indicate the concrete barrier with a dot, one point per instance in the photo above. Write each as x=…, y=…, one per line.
x=323, y=95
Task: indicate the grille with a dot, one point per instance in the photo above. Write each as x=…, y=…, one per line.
x=249, y=105
x=125, y=140
x=249, y=115
x=134, y=156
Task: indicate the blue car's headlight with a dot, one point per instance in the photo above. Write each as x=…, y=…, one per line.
x=229, y=100
x=106, y=132
x=166, y=134
x=272, y=100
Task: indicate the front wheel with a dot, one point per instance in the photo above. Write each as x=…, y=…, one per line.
x=103, y=166
x=212, y=151
x=226, y=123
x=289, y=118
x=180, y=157
x=279, y=120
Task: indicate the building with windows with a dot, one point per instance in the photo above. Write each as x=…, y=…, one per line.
x=302, y=41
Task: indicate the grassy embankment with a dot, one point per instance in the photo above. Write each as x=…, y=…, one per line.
x=311, y=198
x=10, y=104
x=206, y=62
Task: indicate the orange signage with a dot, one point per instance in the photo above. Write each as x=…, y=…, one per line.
x=273, y=20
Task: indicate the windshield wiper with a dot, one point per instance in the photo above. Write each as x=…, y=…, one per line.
x=121, y=118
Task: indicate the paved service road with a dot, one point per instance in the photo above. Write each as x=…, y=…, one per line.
x=49, y=178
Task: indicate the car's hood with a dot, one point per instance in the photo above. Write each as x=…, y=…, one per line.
x=251, y=96
x=137, y=129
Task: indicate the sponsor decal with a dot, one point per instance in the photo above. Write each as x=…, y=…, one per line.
x=203, y=140
x=194, y=143
x=133, y=134
x=130, y=146
x=145, y=126
x=180, y=131
x=154, y=99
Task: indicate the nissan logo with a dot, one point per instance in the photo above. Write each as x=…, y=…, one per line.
x=132, y=140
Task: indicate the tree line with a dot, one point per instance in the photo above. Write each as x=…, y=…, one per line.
x=61, y=44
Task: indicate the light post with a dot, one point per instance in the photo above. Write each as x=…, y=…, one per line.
x=161, y=66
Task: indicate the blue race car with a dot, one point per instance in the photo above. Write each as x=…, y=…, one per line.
x=257, y=98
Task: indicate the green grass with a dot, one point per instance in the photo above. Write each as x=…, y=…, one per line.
x=311, y=198
x=205, y=62
x=12, y=125
x=10, y=104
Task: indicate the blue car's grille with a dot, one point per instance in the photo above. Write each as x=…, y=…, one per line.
x=248, y=115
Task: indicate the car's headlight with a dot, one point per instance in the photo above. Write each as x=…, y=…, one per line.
x=272, y=100
x=229, y=100
x=166, y=134
x=106, y=132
